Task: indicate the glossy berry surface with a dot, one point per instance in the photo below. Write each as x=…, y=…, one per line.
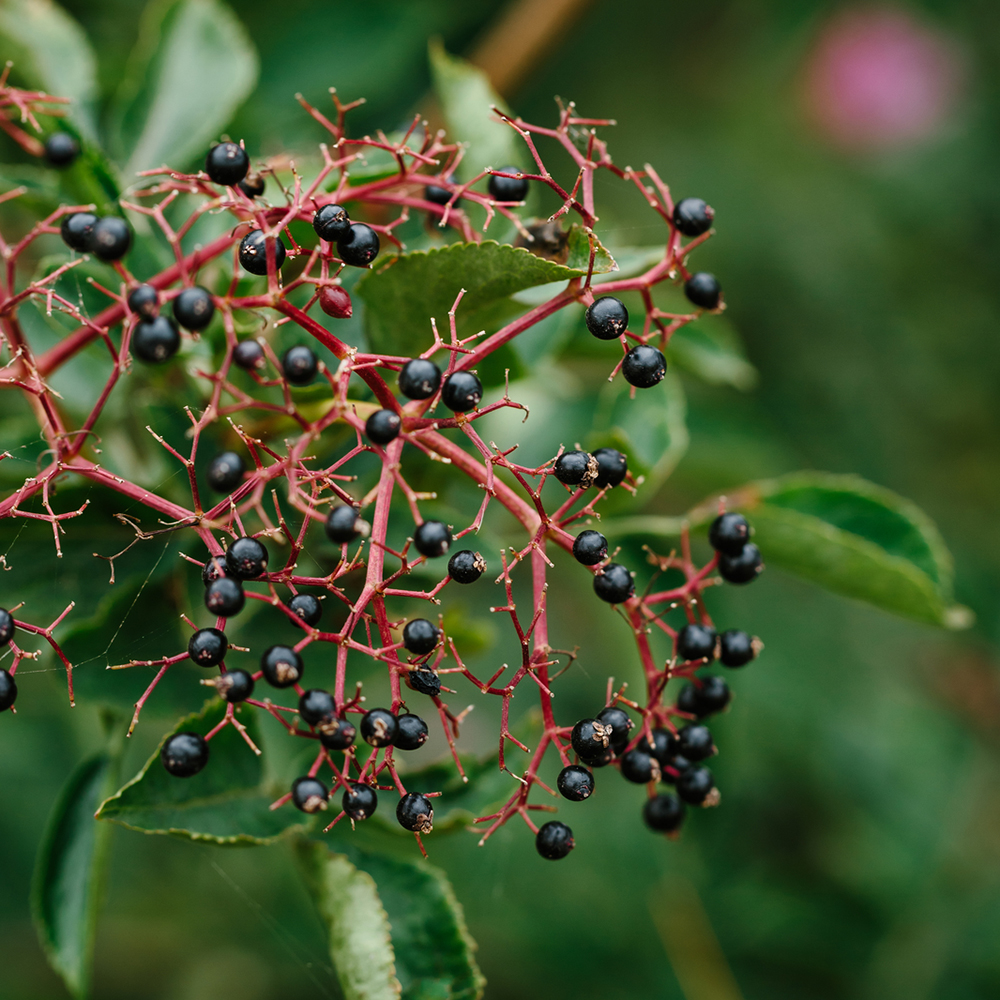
x=575, y=783
x=225, y=472
x=554, y=840
x=415, y=813
x=675, y=766
x=419, y=378
x=612, y=467
x=110, y=239
x=736, y=648
x=335, y=301
x=508, y=188
x=299, y=364
x=194, y=308
x=383, y=426
x=6, y=627
x=307, y=608
x=644, y=366
x=359, y=246
x=224, y=597
x=576, y=468
x=75, y=230
x=336, y=734
x=729, y=533
x=331, y=222
x=640, y=767
x=693, y=217
x=420, y=636
x=282, y=666
x=184, y=754
x=614, y=584
x=662, y=746
x=235, y=686
x=607, y=318
x=208, y=647
x=703, y=289
x=466, y=566
x=590, y=737
x=600, y=759
x=253, y=185
x=694, y=742
x=425, y=681
x=462, y=391
x=316, y=705
x=342, y=524
x=432, y=539
x=712, y=696
x=379, y=727
x=8, y=690
x=246, y=558
x=621, y=725
x=743, y=568
x=253, y=252
x=664, y=814
x=359, y=801
x=590, y=547
x=249, y=355
x=411, y=732
x=694, y=784
x=696, y=642
x=61, y=149
x=309, y=794
x=227, y=163
x=156, y=340
x=144, y=300
x=214, y=568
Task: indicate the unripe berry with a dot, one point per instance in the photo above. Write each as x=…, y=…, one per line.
x=156, y=340
x=694, y=742
x=696, y=642
x=226, y=472
x=607, y=318
x=253, y=252
x=335, y=301
x=76, y=230
x=411, y=733
x=736, y=648
x=8, y=690
x=640, y=768
x=144, y=300
x=315, y=705
x=61, y=149
x=227, y=163
x=508, y=188
x=703, y=289
x=299, y=365
x=420, y=636
x=343, y=525
x=424, y=680
x=309, y=794
x=336, y=734
x=462, y=391
x=743, y=568
x=360, y=801
x=611, y=467
x=590, y=737
x=620, y=723
x=249, y=355
x=419, y=379
x=729, y=533
x=576, y=468
x=695, y=784
x=6, y=627
x=664, y=814
x=554, y=840
x=234, y=685
x=214, y=569
x=415, y=813
x=432, y=539
x=331, y=222
x=184, y=754
x=224, y=597
x=575, y=783
x=693, y=217
x=307, y=608
x=110, y=239
x=359, y=246
x=590, y=548
x=252, y=185
x=194, y=308
x=614, y=584
x=246, y=558
x=379, y=727
x=644, y=366
x=282, y=666
x=207, y=647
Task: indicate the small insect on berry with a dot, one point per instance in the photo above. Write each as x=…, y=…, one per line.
x=424, y=681
x=693, y=217
x=419, y=379
x=743, y=568
x=614, y=584
x=607, y=318
x=344, y=524
x=620, y=723
x=234, y=685
x=612, y=467
x=309, y=794
x=315, y=705
x=299, y=365
x=224, y=597
x=8, y=690
x=336, y=734
x=359, y=246
x=360, y=801
x=156, y=340
x=590, y=737
x=252, y=185
x=644, y=366
x=383, y=426
x=466, y=566
x=214, y=569
x=194, y=308
x=737, y=648
x=696, y=784
x=694, y=742
x=575, y=783
x=508, y=188
x=331, y=222
x=75, y=230
x=664, y=814
x=282, y=666
x=590, y=547
x=696, y=642
x=462, y=391
x=208, y=647
x=307, y=608
x=61, y=149
x=225, y=472
x=184, y=754
x=415, y=813
x=554, y=840
x=249, y=355
x=640, y=768
x=227, y=163
x=144, y=300
x=246, y=558
x=6, y=627
x=729, y=533
x=411, y=733
x=110, y=239
x=432, y=539
x=253, y=252
x=335, y=301
x=703, y=289
x=420, y=636
x=576, y=468
x=379, y=727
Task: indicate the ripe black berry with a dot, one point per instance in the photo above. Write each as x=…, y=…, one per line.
x=207, y=647
x=640, y=768
x=662, y=747
x=252, y=185
x=379, y=727
x=309, y=794
x=156, y=340
x=336, y=734
x=61, y=149
x=110, y=239
x=194, y=308
x=246, y=558
x=420, y=636
x=695, y=642
x=695, y=784
x=736, y=648
x=590, y=737
x=703, y=289
x=693, y=217
x=359, y=801
x=342, y=524
x=620, y=723
x=6, y=627
x=331, y=222
x=383, y=426
x=508, y=188
x=437, y=194
x=359, y=246
x=644, y=366
x=432, y=539
x=184, y=754
x=729, y=533
x=213, y=569
x=466, y=566
x=8, y=690
x=575, y=783
x=224, y=597
x=713, y=696
x=614, y=584
x=674, y=767
x=411, y=733
x=576, y=468
x=607, y=318
x=234, y=685
x=694, y=741
x=419, y=379
x=462, y=391
x=554, y=840
x=144, y=300
x=253, y=252
x=600, y=759
x=76, y=229
x=226, y=472
x=590, y=548
x=425, y=681
x=744, y=568
x=227, y=163
x=335, y=301
x=307, y=608
x=415, y=813
x=611, y=467
x=300, y=364
x=316, y=705
x=249, y=355
x=665, y=813
x=282, y=666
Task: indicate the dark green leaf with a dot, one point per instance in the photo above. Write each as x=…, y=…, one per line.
x=710, y=348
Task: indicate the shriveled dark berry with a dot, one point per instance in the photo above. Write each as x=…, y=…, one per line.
x=466, y=566
x=360, y=801
x=607, y=318
x=420, y=636
x=644, y=366
x=214, y=569
x=307, y=608
x=432, y=539
x=249, y=355
x=729, y=533
x=225, y=472
x=331, y=222
x=696, y=642
x=614, y=584
x=227, y=163
x=419, y=378
x=253, y=185
x=663, y=745
x=575, y=783
x=224, y=597
x=411, y=733
x=6, y=627
x=590, y=737
x=194, y=308
x=576, y=468
x=246, y=558
x=620, y=722
x=462, y=391
x=554, y=840
x=207, y=647
x=315, y=705
x=703, y=289
x=144, y=300
x=282, y=666
x=508, y=188
x=110, y=239
x=342, y=524
x=736, y=648
x=61, y=149
x=76, y=229
x=359, y=246
x=664, y=813
x=253, y=252
x=336, y=734
x=640, y=767
x=590, y=547
x=695, y=784
x=184, y=754
x=744, y=568
x=693, y=217
x=379, y=727
x=299, y=364
x=694, y=742
x=600, y=759
x=383, y=426
x=309, y=794
x=611, y=467
x=234, y=685
x=415, y=813
x=335, y=301
x=8, y=690
x=156, y=340
x=425, y=681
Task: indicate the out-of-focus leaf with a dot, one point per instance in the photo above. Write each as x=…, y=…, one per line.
x=193, y=66
x=226, y=803
x=711, y=349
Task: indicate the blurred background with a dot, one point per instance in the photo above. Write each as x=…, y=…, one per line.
x=851, y=154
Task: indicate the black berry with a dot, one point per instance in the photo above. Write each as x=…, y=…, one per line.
x=144, y=300
x=411, y=733
x=729, y=533
x=282, y=666
x=744, y=568
x=307, y=608
x=554, y=840
x=379, y=727
x=234, y=685
x=8, y=690
x=700, y=701
x=359, y=801
x=675, y=766
x=253, y=252
x=420, y=636
x=315, y=705
x=466, y=566
x=6, y=627
x=663, y=745
x=419, y=379
x=224, y=597
x=644, y=366
x=736, y=648
x=248, y=355
x=309, y=794
x=576, y=468
x=575, y=783
x=665, y=813
x=611, y=467
x=703, y=289
x=437, y=194
x=600, y=759
x=207, y=647
x=432, y=539
x=226, y=472
x=76, y=229
x=246, y=558
x=331, y=222
x=425, y=681
x=252, y=185
x=300, y=364
x=213, y=569
x=695, y=784
x=156, y=340
x=462, y=391
x=342, y=524
x=614, y=584
x=415, y=813
x=508, y=188
x=359, y=246
x=184, y=754
x=696, y=642
x=110, y=239
x=607, y=318
x=336, y=734
x=590, y=548
x=694, y=742
x=640, y=767
x=590, y=737
x=620, y=723
x=227, y=163
x=194, y=308
x=61, y=149
x=693, y=217
x=383, y=426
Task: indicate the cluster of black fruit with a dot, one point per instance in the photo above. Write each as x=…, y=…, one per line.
x=673, y=758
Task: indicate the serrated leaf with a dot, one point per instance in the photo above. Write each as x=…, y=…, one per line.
x=710, y=348
x=226, y=803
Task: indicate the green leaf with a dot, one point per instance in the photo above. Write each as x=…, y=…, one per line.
x=710, y=348
x=51, y=52
x=226, y=803
x=69, y=872
x=404, y=291
x=193, y=66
